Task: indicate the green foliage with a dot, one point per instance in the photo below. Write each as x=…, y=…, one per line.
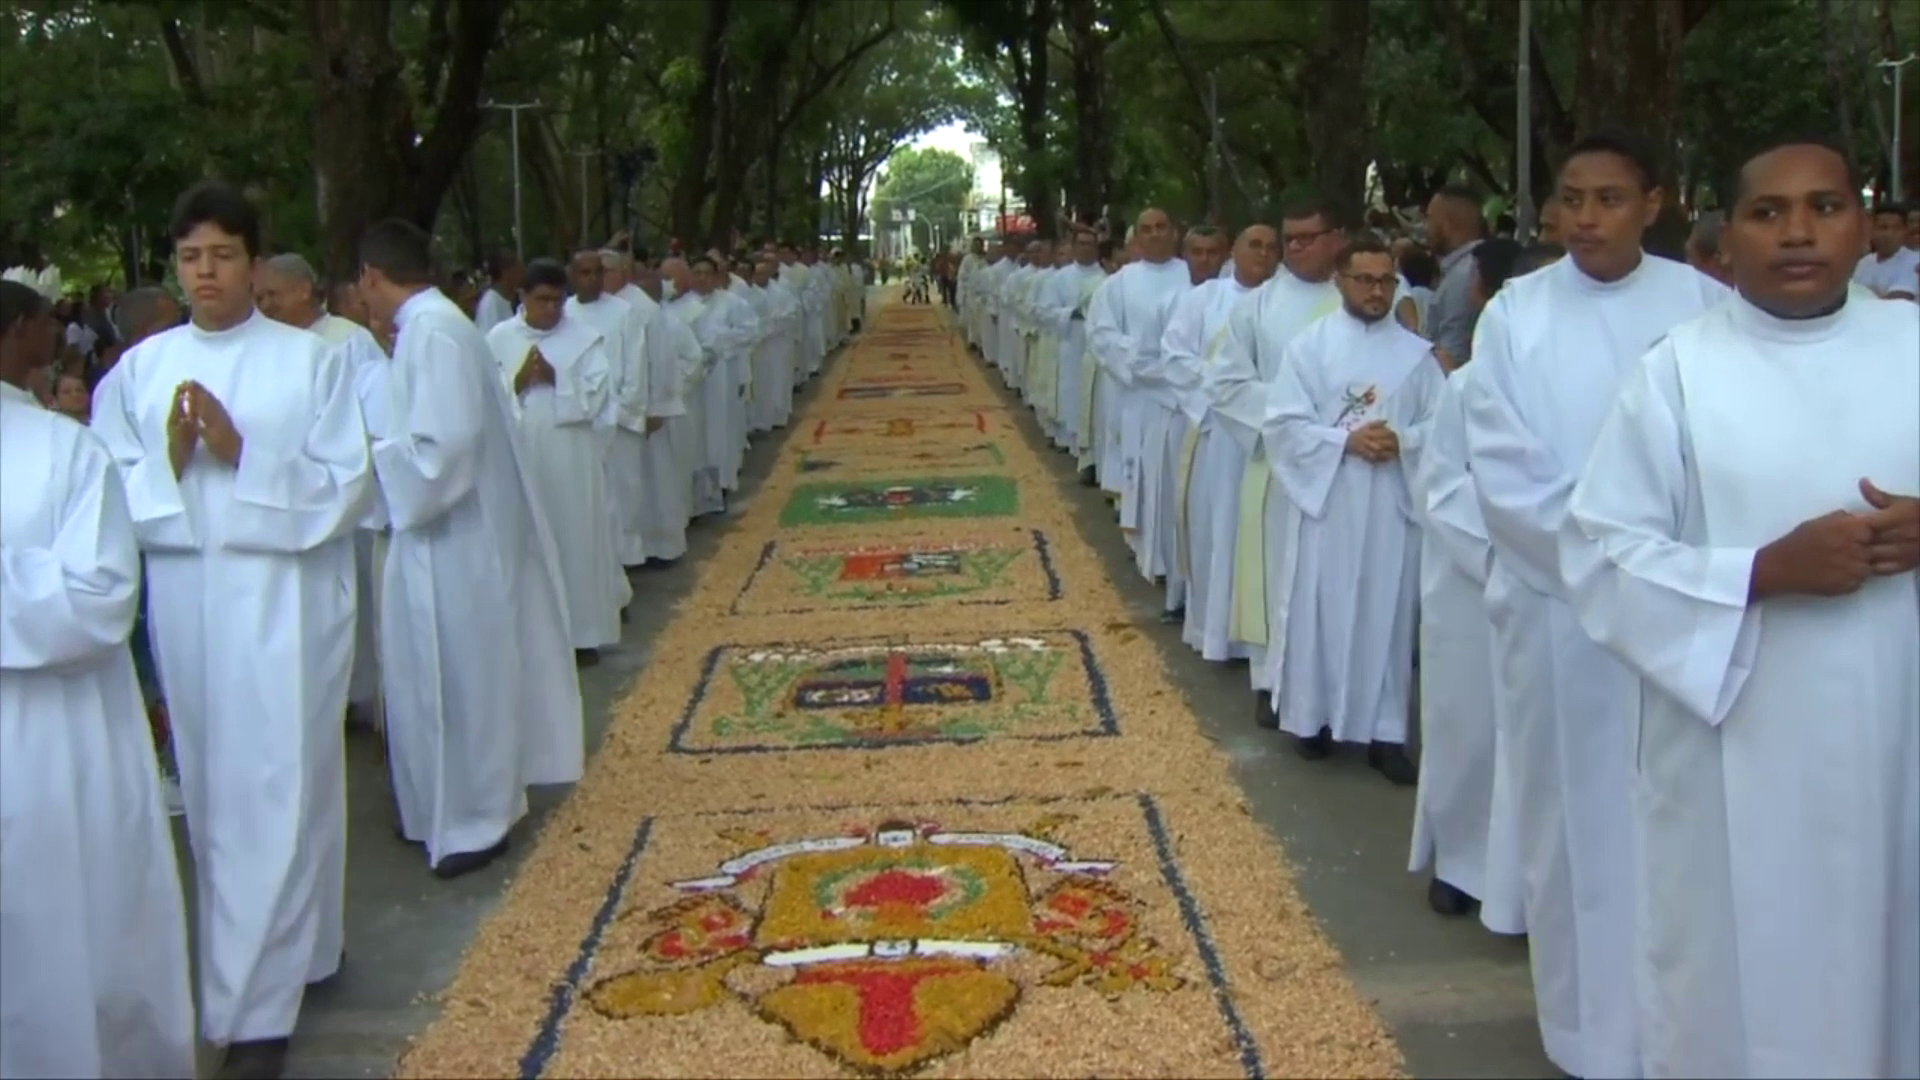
x=932, y=183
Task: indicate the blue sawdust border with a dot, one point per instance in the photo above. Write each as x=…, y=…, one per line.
x=1098, y=695
x=1043, y=549
x=546, y=1041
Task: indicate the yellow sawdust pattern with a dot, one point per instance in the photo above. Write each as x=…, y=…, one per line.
x=1053, y=1010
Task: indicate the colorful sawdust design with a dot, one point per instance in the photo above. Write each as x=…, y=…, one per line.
x=884, y=803
x=859, y=460
x=1000, y=569
x=908, y=499
x=889, y=943
x=880, y=391
x=878, y=694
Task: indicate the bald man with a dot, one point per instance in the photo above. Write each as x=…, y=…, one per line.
x=286, y=289
x=1126, y=324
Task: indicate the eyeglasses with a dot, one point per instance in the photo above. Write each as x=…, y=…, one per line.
x=1302, y=239
x=1386, y=283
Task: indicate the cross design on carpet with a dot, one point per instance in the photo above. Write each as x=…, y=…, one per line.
x=933, y=456
x=876, y=392
x=891, y=946
x=869, y=695
x=999, y=568
x=899, y=427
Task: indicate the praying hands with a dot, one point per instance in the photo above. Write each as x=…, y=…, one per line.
x=1374, y=442
x=196, y=417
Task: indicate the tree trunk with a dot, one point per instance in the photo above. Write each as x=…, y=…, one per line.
x=1334, y=93
x=369, y=160
x=690, y=190
x=776, y=141
x=1628, y=76
x=1036, y=185
x=1092, y=189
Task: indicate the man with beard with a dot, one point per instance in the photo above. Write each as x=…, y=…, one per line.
x=1349, y=408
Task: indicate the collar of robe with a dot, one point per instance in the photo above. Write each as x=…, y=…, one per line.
x=566, y=342
x=424, y=300
x=8, y=391
x=204, y=334
x=1750, y=318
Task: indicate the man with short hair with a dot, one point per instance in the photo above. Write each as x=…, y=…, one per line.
x=1349, y=408
x=1703, y=247
x=244, y=454
x=1125, y=324
x=1211, y=465
x=94, y=976
x=287, y=290
x=559, y=365
x=482, y=696
x=1889, y=268
x=1552, y=350
x=1744, y=537
x=1238, y=385
x=502, y=295
x=1454, y=228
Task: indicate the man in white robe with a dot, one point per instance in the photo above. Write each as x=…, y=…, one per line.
x=1123, y=332
x=1550, y=353
x=740, y=407
x=1349, y=408
x=285, y=288
x=501, y=297
x=245, y=459
x=476, y=714
x=1212, y=461
x=1163, y=389
x=971, y=263
x=991, y=280
x=555, y=365
x=812, y=337
x=699, y=365
x=665, y=483
x=1013, y=317
x=1238, y=385
x=1465, y=815
x=726, y=327
x=1733, y=541
x=635, y=400
x=94, y=977
x=773, y=371
x=1061, y=304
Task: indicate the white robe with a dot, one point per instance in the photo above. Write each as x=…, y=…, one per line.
x=1196, y=329
x=634, y=399
x=1350, y=637
x=782, y=360
x=564, y=430
x=652, y=483
x=368, y=364
x=475, y=712
x=1238, y=385
x=1124, y=328
x=1776, y=743
x=698, y=365
x=1061, y=305
x=491, y=310
x=93, y=933
x=1550, y=353
x=1465, y=819
x=726, y=327
x=251, y=609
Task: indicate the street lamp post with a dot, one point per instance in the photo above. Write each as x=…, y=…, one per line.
x=583, y=155
x=1898, y=68
x=1523, y=127
x=513, y=110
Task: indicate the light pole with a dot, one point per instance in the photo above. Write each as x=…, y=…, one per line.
x=583, y=155
x=1523, y=127
x=1898, y=67
x=519, y=243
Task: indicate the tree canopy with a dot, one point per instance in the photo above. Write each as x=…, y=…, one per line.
x=707, y=122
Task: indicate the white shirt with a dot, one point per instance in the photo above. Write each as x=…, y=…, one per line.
x=1899, y=272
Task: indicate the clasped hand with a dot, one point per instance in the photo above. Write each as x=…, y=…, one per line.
x=534, y=371
x=198, y=417
x=1835, y=554
x=1374, y=442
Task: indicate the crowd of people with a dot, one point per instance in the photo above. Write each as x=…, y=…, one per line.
x=1633, y=532
x=306, y=480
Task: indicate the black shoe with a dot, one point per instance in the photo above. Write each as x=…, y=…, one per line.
x=585, y=657
x=626, y=615
x=1444, y=899
x=1392, y=762
x=1175, y=617
x=1087, y=477
x=1314, y=747
x=255, y=1059
x=466, y=862
x=1263, y=714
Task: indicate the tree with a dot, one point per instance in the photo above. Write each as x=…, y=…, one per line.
x=932, y=183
